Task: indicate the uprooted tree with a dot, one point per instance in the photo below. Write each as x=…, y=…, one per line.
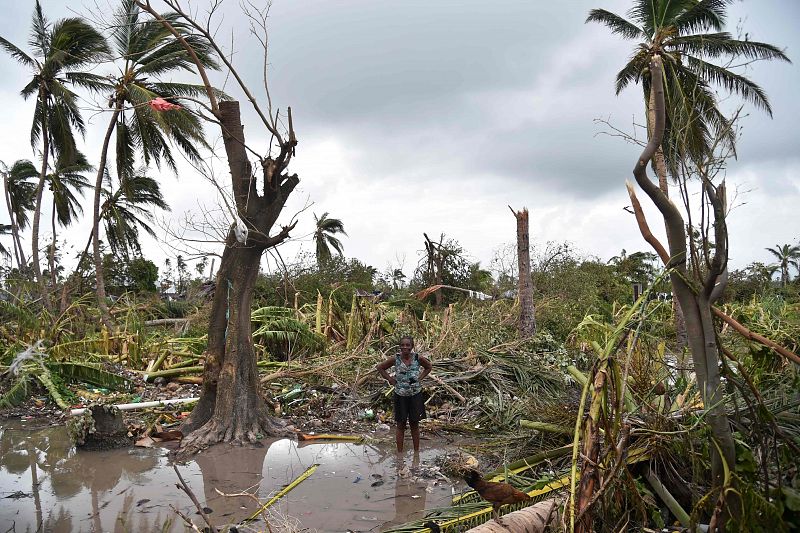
x=231, y=408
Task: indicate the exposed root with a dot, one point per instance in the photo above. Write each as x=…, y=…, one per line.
x=240, y=433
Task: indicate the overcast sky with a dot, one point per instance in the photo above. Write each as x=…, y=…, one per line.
x=434, y=116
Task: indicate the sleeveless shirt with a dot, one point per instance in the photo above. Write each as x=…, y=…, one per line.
x=407, y=376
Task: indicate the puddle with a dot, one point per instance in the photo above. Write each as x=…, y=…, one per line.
x=45, y=485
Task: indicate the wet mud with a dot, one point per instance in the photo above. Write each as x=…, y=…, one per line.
x=46, y=485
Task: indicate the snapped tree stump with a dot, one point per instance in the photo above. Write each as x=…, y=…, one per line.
x=100, y=427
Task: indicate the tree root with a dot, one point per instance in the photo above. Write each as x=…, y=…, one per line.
x=217, y=431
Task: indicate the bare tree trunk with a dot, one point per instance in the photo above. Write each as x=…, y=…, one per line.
x=660, y=165
x=435, y=266
x=37, y=215
x=695, y=302
x=105, y=316
x=527, y=312
x=231, y=408
x=52, y=255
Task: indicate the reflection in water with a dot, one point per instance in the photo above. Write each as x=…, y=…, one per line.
x=356, y=486
x=231, y=471
x=66, y=485
x=409, y=493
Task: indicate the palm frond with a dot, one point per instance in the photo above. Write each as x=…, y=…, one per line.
x=721, y=44
x=75, y=44
x=88, y=80
x=40, y=30
x=617, y=24
x=702, y=15
x=125, y=148
x=21, y=191
x=91, y=373
x=67, y=179
x=731, y=82
x=55, y=394
x=645, y=12
x=17, y=54
x=17, y=393
x=633, y=70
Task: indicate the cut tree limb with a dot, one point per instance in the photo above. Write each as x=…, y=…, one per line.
x=447, y=387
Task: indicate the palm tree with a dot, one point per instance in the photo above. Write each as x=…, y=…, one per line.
x=60, y=51
x=5, y=229
x=397, y=278
x=637, y=267
x=128, y=209
x=324, y=237
x=147, y=52
x=66, y=179
x=786, y=255
x=20, y=200
x=688, y=35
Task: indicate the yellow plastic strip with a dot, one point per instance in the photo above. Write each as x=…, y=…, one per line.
x=285, y=490
x=326, y=436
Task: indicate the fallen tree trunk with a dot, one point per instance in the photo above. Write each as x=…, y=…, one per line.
x=533, y=519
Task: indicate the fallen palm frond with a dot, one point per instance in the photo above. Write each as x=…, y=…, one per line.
x=17, y=393
x=91, y=373
x=468, y=514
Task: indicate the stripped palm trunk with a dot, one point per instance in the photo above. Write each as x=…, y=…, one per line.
x=696, y=297
x=660, y=166
x=37, y=212
x=527, y=315
x=102, y=305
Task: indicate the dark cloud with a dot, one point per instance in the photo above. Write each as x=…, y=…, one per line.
x=412, y=99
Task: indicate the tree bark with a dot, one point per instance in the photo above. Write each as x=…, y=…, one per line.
x=527, y=312
x=52, y=252
x=694, y=301
x=660, y=165
x=231, y=408
x=37, y=212
x=105, y=316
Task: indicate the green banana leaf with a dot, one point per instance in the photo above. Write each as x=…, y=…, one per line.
x=92, y=373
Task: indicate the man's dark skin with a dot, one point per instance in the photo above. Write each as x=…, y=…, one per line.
x=406, y=345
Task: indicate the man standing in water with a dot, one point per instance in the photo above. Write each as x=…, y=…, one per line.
x=410, y=369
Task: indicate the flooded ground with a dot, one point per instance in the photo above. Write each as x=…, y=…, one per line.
x=46, y=485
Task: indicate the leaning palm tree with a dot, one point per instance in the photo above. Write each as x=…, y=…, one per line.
x=60, y=52
x=64, y=182
x=787, y=255
x=129, y=208
x=324, y=237
x=689, y=36
x=147, y=52
x=20, y=193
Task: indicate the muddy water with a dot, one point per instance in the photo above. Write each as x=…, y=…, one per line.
x=46, y=485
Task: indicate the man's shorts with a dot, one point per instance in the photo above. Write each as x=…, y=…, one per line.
x=409, y=408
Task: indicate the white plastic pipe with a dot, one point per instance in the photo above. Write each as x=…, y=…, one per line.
x=140, y=405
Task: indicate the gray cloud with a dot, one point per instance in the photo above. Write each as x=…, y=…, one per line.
x=483, y=103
